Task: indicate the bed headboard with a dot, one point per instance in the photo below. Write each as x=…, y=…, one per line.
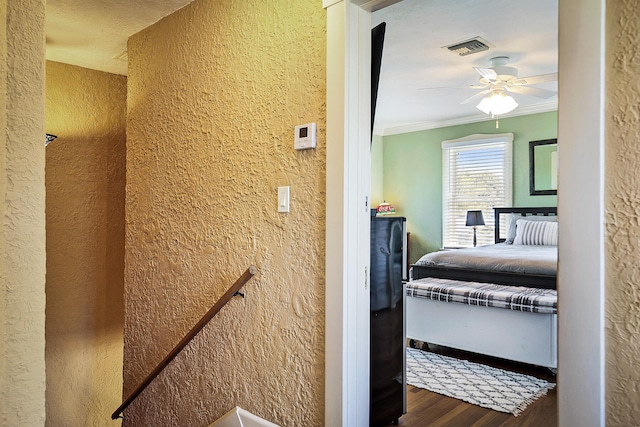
x=545, y=211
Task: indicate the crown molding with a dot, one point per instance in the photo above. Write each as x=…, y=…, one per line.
x=543, y=107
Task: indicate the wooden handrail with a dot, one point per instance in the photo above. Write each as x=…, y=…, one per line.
x=233, y=290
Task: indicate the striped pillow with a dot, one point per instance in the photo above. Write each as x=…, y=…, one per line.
x=511, y=229
x=536, y=233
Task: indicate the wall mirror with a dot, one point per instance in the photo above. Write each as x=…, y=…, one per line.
x=543, y=167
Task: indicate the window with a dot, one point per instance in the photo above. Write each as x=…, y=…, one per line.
x=476, y=174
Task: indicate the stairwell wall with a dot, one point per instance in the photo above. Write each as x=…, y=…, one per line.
x=215, y=91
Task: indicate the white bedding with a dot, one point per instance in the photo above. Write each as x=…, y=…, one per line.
x=529, y=259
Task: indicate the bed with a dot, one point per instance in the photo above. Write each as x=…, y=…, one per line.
x=499, y=300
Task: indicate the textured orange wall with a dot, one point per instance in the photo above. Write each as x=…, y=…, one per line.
x=85, y=181
x=622, y=213
x=215, y=91
x=22, y=196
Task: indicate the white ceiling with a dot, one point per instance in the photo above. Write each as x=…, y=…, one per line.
x=94, y=33
x=413, y=57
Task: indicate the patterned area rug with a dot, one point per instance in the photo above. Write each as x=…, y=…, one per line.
x=478, y=384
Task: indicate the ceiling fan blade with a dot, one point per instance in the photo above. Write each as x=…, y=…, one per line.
x=531, y=91
x=488, y=73
x=542, y=78
x=477, y=96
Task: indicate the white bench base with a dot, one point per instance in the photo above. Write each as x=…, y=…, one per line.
x=498, y=332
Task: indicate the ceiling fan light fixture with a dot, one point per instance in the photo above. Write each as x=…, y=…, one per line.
x=497, y=103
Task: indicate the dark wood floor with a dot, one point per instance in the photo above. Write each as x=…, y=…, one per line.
x=428, y=409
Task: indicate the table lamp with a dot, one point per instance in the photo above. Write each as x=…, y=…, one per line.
x=474, y=219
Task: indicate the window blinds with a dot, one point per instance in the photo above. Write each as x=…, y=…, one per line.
x=477, y=174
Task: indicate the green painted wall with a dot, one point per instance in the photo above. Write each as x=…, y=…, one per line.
x=412, y=172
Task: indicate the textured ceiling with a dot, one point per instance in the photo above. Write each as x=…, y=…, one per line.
x=413, y=57
x=93, y=34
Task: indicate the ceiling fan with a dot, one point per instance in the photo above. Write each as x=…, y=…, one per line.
x=501, y=79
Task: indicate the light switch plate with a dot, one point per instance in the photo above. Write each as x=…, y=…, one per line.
x=283, y=199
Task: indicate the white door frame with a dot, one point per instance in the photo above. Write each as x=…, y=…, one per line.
x=581, y=284
x=580, y=204
x=347, y=214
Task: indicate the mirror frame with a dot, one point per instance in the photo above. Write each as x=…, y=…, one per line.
x=532, y=169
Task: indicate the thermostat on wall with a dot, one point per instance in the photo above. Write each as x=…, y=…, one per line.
x=305, y=136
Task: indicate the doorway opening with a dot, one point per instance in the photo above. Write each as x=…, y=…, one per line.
x=581, y=40
x=424, y=99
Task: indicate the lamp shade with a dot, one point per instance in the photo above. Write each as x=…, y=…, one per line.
x=497, y=103
x=474, y=218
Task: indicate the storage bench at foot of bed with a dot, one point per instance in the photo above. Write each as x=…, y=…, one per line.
x=521, y=336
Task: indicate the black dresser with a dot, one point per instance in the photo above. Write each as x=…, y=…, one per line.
x=387, y=340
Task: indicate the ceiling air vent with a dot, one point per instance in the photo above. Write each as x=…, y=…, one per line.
x=467, y=47
x=122, y=56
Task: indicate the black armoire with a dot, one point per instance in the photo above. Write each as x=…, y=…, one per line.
x=387, y=340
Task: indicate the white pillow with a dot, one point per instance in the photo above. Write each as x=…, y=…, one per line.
x=511, y=229
x=536, y=233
